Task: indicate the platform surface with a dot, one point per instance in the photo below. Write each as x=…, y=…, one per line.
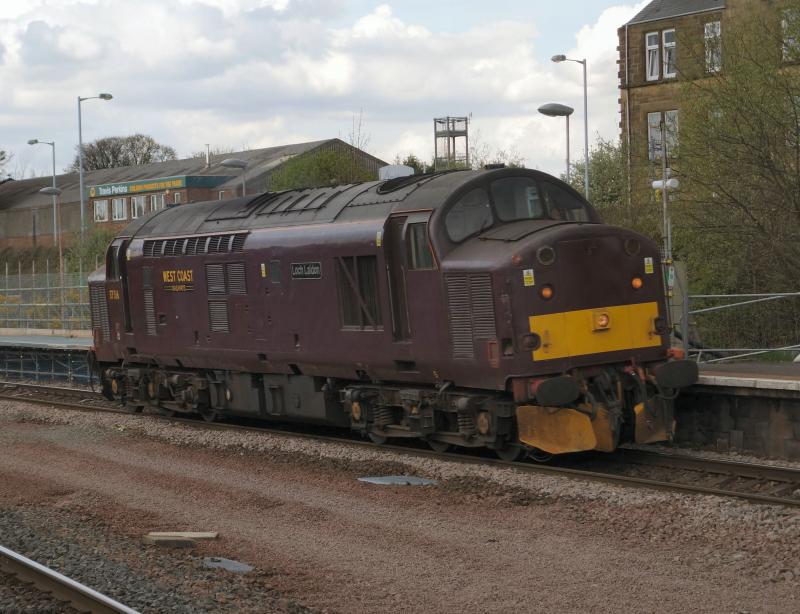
x=763, y=375
x=49, y=342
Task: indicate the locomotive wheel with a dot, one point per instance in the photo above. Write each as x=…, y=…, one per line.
x=376, y=438
x=132, y=408
x=438, y=446
x=540, y=456
x=510, y=452
x=208, y=414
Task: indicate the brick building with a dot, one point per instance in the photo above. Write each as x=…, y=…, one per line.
x=115, y=196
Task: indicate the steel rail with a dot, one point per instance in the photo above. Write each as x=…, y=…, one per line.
x=529, y=467
x=62, y=588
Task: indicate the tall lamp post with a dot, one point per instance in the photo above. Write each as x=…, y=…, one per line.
x=56, y=194
x=554, y=109
x=80, y=155
x=563, y=58
x=236, y=163
x=55, y=216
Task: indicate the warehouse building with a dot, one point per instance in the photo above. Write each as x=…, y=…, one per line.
x=115, y=196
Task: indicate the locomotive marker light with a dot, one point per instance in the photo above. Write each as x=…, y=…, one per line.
x=562, y=58
x=80, y=155
x=236, y=163
x=554, y=109
x=55, y=215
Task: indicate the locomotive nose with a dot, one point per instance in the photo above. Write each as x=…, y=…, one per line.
x=596, y=293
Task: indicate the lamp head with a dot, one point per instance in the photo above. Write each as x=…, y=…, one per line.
x=554, y=109
x=559, y=58
x=50, y=191
x=233, y=163
x=105, y=96
x=33, y=141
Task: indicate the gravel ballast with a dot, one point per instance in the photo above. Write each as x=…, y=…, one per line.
x=485, y=538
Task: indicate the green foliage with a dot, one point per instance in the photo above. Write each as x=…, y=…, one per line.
x=608, y=188
x=116, y=151
x=737, y=217
x=420, y=167
x=320, y=168
x=92, y=249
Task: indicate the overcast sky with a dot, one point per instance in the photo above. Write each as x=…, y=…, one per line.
x=244, y=74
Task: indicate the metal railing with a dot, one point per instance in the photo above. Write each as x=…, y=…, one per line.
x=720, y=327
x=49, y=299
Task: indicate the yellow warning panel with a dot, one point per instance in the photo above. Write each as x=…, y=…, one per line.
x=577, y=333
x=603, y=431
x=649, y=428
x=557, y=430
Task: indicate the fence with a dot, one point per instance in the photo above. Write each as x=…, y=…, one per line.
x=719, y=327
x=48, y=299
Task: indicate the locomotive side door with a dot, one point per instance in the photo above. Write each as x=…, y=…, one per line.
x=408, y=257
x=395, y=269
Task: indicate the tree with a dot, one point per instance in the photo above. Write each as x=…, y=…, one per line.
x=480, y=154
x=331, y=166
x=115, y=151
x=737, y=218
x=420, y=167
x=608, y=184
x=4, y=159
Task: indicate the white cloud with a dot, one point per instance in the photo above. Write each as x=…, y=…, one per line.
x=262, y=72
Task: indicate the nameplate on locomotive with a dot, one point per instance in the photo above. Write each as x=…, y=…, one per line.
x=306, y=270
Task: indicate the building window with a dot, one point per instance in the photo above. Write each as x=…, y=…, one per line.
x=670, y=69
x=713, y=46
x=118, y=211
x=176, y=198
x=156, y=202
x=101, y=210
x=790, y=26
x=221, y=195
x=651, y=40
x=138, y=206
x=654, y=144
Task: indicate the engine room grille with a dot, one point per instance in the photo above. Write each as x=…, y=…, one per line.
x=192, y=246
x=150, y=312
x=215, y=278
x=99, y=304
x=235, y=278
x=218, y=316
x=470, y=302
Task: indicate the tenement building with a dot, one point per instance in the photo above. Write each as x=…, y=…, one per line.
x=653, y=53
x=670, y=44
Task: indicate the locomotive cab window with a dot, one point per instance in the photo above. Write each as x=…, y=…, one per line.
x=562, y=205
x=471, y=214
x=112, y=260
x=517, y=198
x=419, y=249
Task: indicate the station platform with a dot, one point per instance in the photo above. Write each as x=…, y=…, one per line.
x=757, y=375
x=47, y=342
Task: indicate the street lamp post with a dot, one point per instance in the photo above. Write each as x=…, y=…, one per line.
x=563, y=58
x=236, y=163
x=56, y=194
x=554, y=109
x=55, y=216
x=80, y=155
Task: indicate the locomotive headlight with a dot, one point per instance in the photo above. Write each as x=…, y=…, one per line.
x=546, y=292
x=637, y=283
x=600, y=320
x=531, y=342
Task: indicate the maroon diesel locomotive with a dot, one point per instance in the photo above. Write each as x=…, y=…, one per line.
x=473, y=308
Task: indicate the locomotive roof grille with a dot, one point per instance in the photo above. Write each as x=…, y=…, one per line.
x=193, y=246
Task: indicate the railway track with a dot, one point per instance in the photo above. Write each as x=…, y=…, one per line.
x=80, y=597
x=638, y=468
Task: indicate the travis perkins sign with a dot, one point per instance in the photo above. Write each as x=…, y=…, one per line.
x=156, y=185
